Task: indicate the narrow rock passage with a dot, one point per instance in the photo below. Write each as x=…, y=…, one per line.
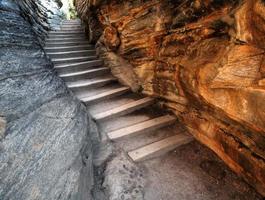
x=84, y=73
x=139, y=131
x=51, y=148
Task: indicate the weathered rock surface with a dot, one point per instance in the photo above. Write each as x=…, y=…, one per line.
x=124, y=179
x=120, y=67
x=45, y=150
x=2, y=127
x=43, y=15
x=204, y=59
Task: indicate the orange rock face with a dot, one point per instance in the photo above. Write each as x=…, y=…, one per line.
x=205, y=60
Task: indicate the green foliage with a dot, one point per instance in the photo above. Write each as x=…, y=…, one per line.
x=69, y=9
x=73, y=13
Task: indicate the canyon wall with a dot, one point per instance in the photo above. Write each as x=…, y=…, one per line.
x=203, y=60
x=45, y=146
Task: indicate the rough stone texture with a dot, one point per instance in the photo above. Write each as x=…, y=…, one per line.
x=43, y=15
x=2, y=127
x=120, y=67
x=204, y=59
x=45, y=151
x=106, y=46
x=124, y=179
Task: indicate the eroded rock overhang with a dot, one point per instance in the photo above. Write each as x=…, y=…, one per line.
x=203, y=59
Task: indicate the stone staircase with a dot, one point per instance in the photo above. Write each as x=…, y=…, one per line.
x=132, y=121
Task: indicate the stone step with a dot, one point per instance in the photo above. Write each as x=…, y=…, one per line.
x=91, y=73
x=66, y=22
x=65, y=44
x=71, y=20
x=58, y=36
x=97, y=91
x=71, y=54
x=67, y=49
x=131, y=119
x=139, y=116
x=160, y=147
x=142, y=127
x=76, y=28
x=69, y=25
x=124, y=109
x=72, y=28
x=59, y=61
x=91, y=83
x=76, y=67
x=66, y=39
x=65, y=32
x=115, y=102
x=105, y=95
x=75, y=24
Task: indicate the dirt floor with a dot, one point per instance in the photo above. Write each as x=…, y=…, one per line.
x=193, y=172
x=190, y=172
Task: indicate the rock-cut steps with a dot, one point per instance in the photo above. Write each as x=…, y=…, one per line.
x=122, y=116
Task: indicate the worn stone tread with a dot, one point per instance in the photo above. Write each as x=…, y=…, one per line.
x=91, y=83
x=71, y=22
x=90, y=62
x=83, y=72
x=97, y=91
x=124, y=109
x=59, y=36
x=142, y=127
x=66, y=49
x=68, y=31
x=71, y=29
x=66, y=44
x=73, y=59
x=70, y=54
x=90, y=73
x=160, y=147
x=105, y=95
x=71, y=25
x=65, y=39
x=78, y=66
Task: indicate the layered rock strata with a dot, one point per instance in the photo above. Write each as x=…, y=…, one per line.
x=45, y=147
x=205, y=61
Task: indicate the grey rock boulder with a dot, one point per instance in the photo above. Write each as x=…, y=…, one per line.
x=45, y=147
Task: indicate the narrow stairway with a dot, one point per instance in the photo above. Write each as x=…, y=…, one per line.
x=132, y=120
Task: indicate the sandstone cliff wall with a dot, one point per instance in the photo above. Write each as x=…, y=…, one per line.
x=45, y=147
x=204, y=60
